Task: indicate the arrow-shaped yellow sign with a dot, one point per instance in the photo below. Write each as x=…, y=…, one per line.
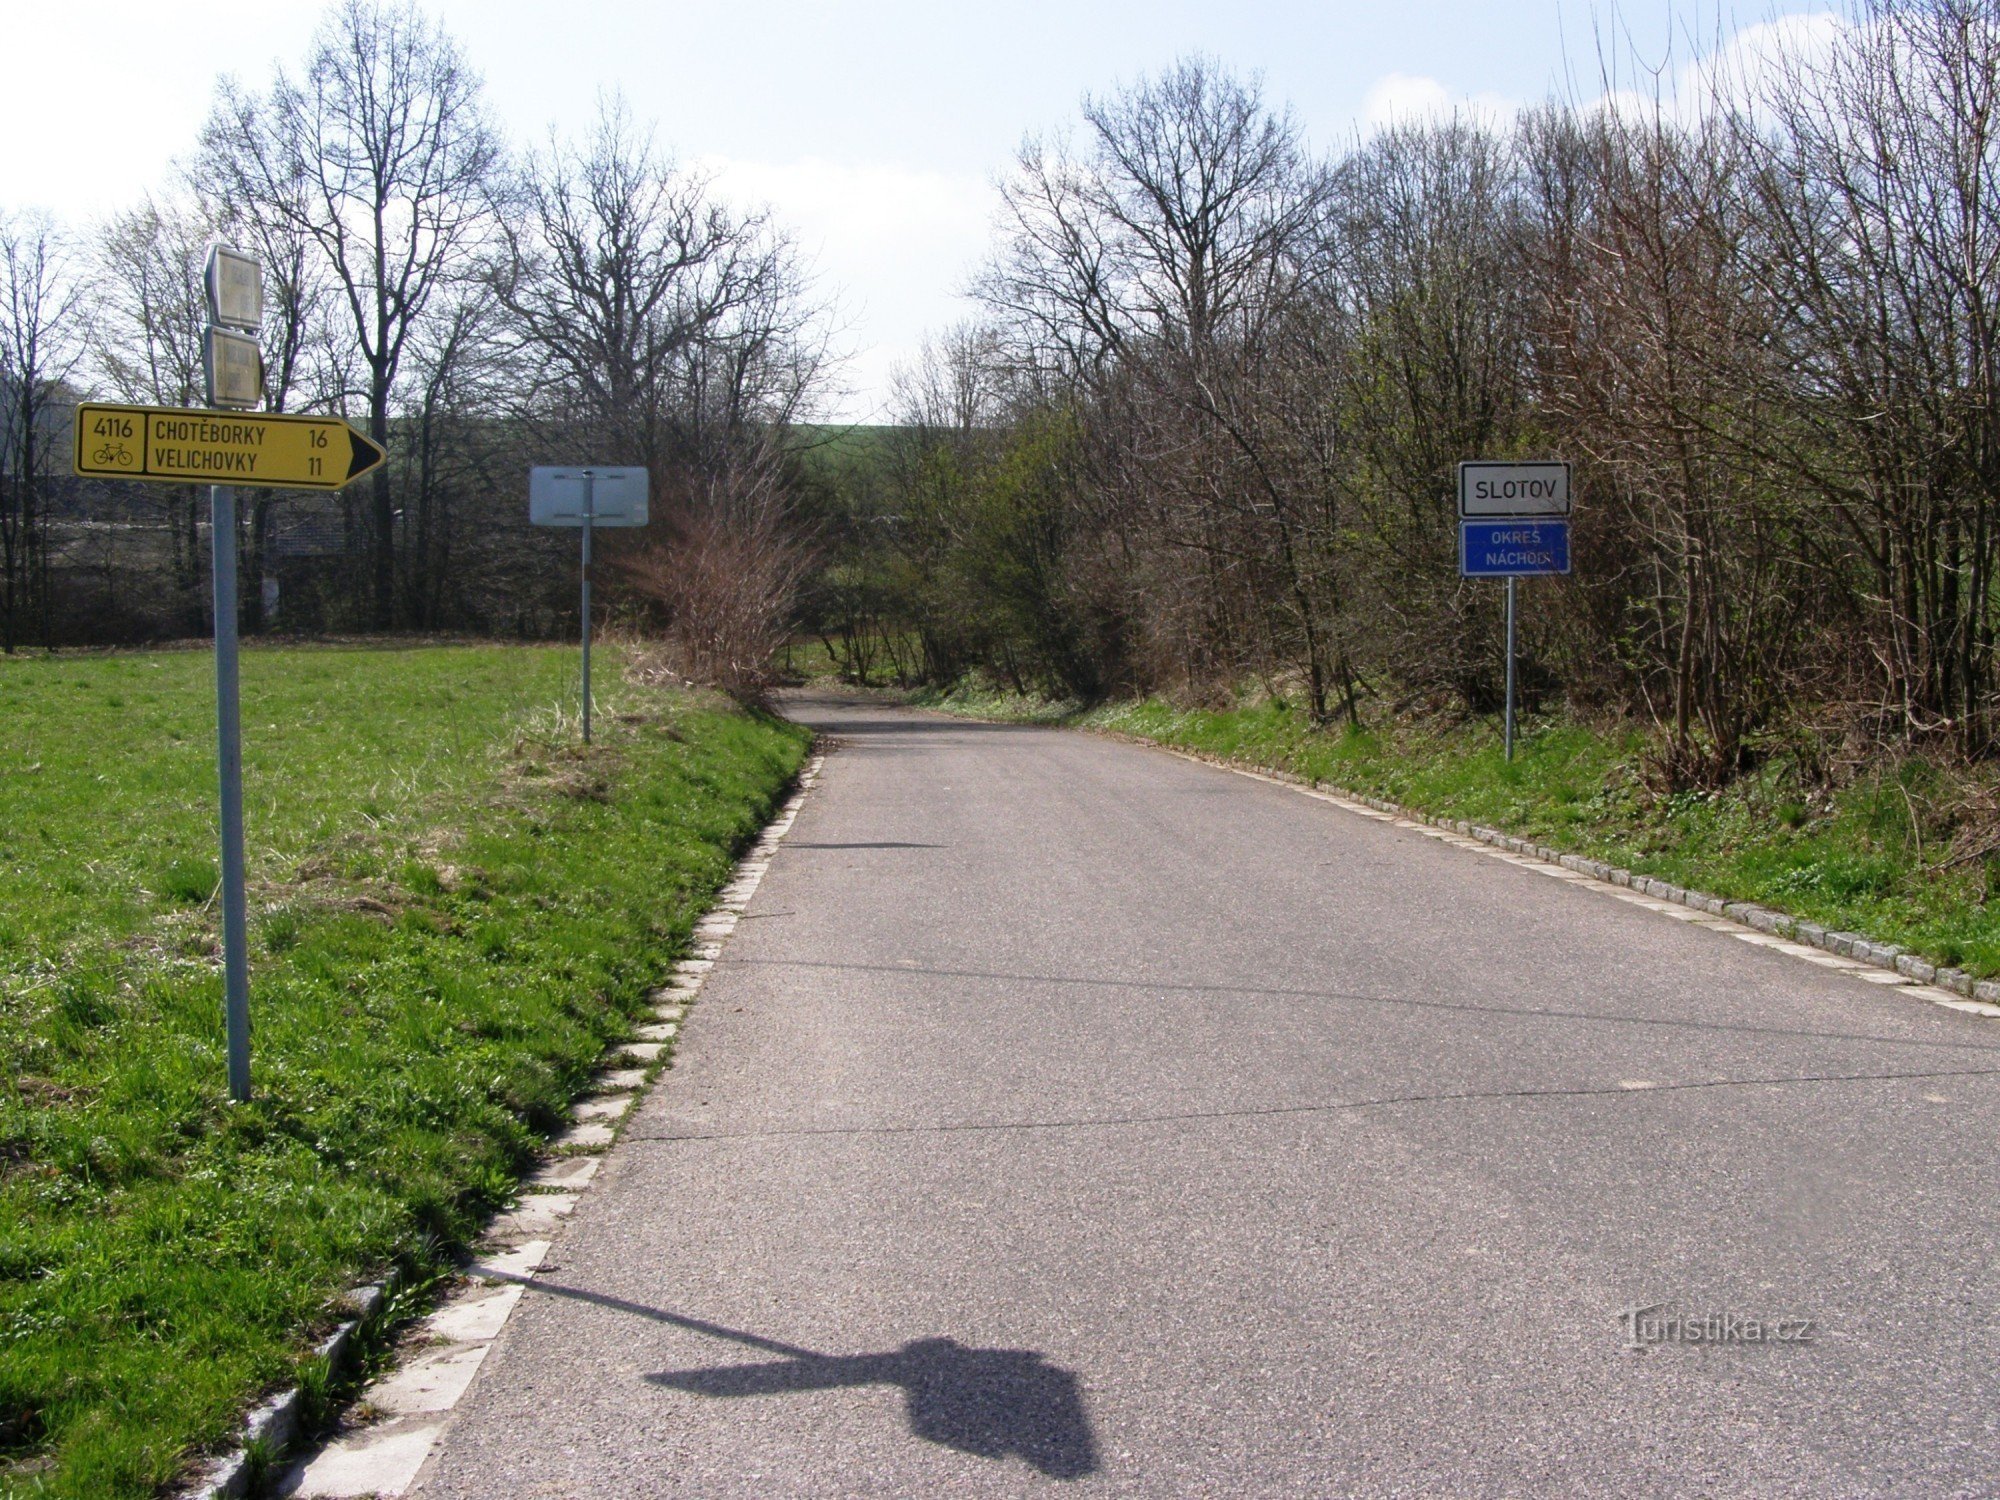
x=259, y=449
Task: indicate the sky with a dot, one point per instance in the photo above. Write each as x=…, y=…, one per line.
x=875, y=131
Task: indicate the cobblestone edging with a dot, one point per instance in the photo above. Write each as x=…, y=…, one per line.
x=404, y=1409
x=272, y=1427
x=1979, y=996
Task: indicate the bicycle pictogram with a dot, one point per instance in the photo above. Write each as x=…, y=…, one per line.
x=112, y=453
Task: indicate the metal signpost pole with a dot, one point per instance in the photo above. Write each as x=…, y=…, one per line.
x=589, y=514
x=229, y=767
x=551, y=502
x=234, y=369
x=1510, y=667
x=181, y=445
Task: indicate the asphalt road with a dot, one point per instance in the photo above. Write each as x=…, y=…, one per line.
x=1068, y=1116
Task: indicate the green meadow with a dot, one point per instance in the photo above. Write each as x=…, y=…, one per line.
x=454, y=909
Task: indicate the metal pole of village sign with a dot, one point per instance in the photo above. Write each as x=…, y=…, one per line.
x=1513, y=523
x=1509, y=731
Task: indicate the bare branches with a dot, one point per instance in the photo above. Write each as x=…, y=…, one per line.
x=377, y=156
x=151, y=305
x=651, y=319
x=1172, y=228
x=1878, y=202
x=42, y=343
x=1763, y=314
x=722, y=585
x=616, y=264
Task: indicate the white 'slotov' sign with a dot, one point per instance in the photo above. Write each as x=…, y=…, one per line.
x=1503, y=491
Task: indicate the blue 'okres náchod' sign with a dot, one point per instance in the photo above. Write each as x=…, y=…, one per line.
x=1512, y=549
x=1513, y=518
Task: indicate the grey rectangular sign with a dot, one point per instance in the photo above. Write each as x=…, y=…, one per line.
x=234, y=367
x=616, y=496
x=235, y=283
x=1506, y=491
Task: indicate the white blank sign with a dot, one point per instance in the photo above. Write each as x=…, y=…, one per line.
x=617, y=497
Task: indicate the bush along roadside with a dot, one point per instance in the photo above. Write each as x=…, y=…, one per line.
x=1896, y=864
x=425, y=1013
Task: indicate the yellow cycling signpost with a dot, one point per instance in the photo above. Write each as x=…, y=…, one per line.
x=175, y=445
x=225, y=448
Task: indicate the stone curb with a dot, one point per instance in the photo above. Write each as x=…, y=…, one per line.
x=270, y=1428
x=515, y=1241
x=1849, y=945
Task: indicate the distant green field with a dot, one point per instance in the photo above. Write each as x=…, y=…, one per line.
x=453, y=911
x=835, y=445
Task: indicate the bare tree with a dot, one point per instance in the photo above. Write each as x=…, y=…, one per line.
x=147, y=340
x=152, y=307
x=1879, y=203
x=454, y=447
x=1651, y=342
x=653, y=324
x=42, y=342
x=1168, y=227
x=1141, y=275
x=765, y=364
x=616, y=263
x=246, y=193
x=379, y=155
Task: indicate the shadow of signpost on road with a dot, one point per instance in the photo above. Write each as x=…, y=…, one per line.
x=993, y=1403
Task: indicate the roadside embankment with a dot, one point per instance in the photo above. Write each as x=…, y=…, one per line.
x=455, y=908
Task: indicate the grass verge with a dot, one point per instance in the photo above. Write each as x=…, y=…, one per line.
x=1894, y=852
x=453, y=911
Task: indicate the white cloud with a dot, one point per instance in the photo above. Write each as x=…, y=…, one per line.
x=1740, y=65
x=97, y=108
x=1410, y=98
x=894, y=244
x=1739, y=68
x=1752, y=53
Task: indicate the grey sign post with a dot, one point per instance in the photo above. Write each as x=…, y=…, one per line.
x=175, y=445
x=235, y=283
x=1513, y=522
x=587, y=498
